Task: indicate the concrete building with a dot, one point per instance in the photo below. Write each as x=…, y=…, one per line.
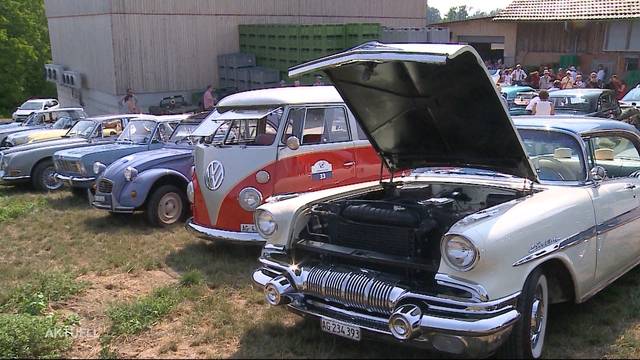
x=170, y=47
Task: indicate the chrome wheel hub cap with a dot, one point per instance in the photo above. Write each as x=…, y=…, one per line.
x=537, y=317
x=170, y=208
x=49, y=179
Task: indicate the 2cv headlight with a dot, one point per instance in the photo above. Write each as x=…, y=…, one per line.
x=459, y=252
x=265, y=223
x=98, y=167
x=130, y=173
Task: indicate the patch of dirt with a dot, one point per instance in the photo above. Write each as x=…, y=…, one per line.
x=101, y=292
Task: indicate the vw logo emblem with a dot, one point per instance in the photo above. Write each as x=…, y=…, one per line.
x=214, y=175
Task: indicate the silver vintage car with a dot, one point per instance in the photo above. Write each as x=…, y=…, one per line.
x=498, y=220
x=33, y=163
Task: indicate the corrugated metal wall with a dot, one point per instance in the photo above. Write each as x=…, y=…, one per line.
x=166, y=45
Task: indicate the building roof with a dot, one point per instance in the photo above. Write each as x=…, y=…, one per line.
x=560, y=10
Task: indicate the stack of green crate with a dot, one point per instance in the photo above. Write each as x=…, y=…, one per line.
x=568, y=60
x=281, y=46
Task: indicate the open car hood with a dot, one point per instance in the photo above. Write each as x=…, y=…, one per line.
x=425, y=105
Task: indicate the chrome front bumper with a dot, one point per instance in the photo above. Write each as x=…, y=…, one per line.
x=473, y=328
x=76, y=181
x=223, y=235
x=8, y=180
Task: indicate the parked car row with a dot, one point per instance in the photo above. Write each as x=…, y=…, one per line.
x=403, y=204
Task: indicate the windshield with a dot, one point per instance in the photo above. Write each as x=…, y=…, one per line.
x=574, y=103
x=137, y=132
x=245, y=129
x=62, y=123
x=82, y=128
x=34, y=119
x=633, y=95
x=32, y=105
x=555, y=156
x=182, y=132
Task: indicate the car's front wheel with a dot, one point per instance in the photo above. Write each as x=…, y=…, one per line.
x=166, y=206
x=44, y=177
x=527, y=337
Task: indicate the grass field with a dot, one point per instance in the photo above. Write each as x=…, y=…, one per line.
x=78, y=282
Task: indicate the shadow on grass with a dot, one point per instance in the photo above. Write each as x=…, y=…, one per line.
x=18, y=189
x=221, y=264
x=591, y=329
x=65, y=200
x=272, y=339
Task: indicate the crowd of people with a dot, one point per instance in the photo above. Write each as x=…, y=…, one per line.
x=545, y=78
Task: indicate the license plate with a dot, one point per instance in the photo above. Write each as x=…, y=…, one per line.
x=340, y=329
x=99, y=198
x=248, y=228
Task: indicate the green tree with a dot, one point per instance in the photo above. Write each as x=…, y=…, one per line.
x=433, y=15
x=24, y=49
x=457, y=13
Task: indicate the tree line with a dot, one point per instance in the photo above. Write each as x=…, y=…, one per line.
x=24, y=49
x=456, y=13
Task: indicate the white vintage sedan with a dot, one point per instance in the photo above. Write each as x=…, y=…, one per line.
x=496, y=222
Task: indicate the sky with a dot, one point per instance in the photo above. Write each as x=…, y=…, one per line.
x=481, y=5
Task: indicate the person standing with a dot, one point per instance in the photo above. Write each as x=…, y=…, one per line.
x=567, y=81
x=518, y=75
x=579, y=84
x=208, y=99
x=601, y=74
x=593, y=82
x=130, y=101
x=534, y=79
x=546, y=81
x=543, y=106
x=618, y=86
x=505, y=78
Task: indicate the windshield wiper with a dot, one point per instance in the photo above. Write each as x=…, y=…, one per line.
x=126, y=141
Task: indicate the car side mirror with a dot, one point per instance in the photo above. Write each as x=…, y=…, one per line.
x=293, y=143
x=598, y=173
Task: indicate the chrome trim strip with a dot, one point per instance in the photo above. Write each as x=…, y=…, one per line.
x=14, y=178
x=222, y=235
x=572, y=240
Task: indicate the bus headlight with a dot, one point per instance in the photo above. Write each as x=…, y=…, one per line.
x=249, y=199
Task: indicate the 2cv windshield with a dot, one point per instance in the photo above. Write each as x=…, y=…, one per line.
x=137, y=132
x=248, y=127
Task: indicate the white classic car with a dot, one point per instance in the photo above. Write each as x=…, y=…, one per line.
x=496, y=222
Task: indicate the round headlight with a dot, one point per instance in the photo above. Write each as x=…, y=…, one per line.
x=249, y=199
x=265, y=223
x=130, y=173
x=459, y=252
x=98, y=167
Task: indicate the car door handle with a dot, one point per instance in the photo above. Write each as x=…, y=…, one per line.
x=349, y=164
x=630, y=186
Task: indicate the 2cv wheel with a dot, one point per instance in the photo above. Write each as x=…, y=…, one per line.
x=44, y=177
x=166, y=206
x=527, y=337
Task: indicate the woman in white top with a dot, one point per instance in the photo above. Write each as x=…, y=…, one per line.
x=543, y=106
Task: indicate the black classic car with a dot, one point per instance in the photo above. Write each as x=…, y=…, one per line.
x=588, y=102
x=173, y=105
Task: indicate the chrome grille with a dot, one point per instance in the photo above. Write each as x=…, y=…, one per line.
x=105, y=186
x=68, y=166
x=354, y=289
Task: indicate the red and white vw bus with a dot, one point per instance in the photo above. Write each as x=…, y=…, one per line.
x=271, y=142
